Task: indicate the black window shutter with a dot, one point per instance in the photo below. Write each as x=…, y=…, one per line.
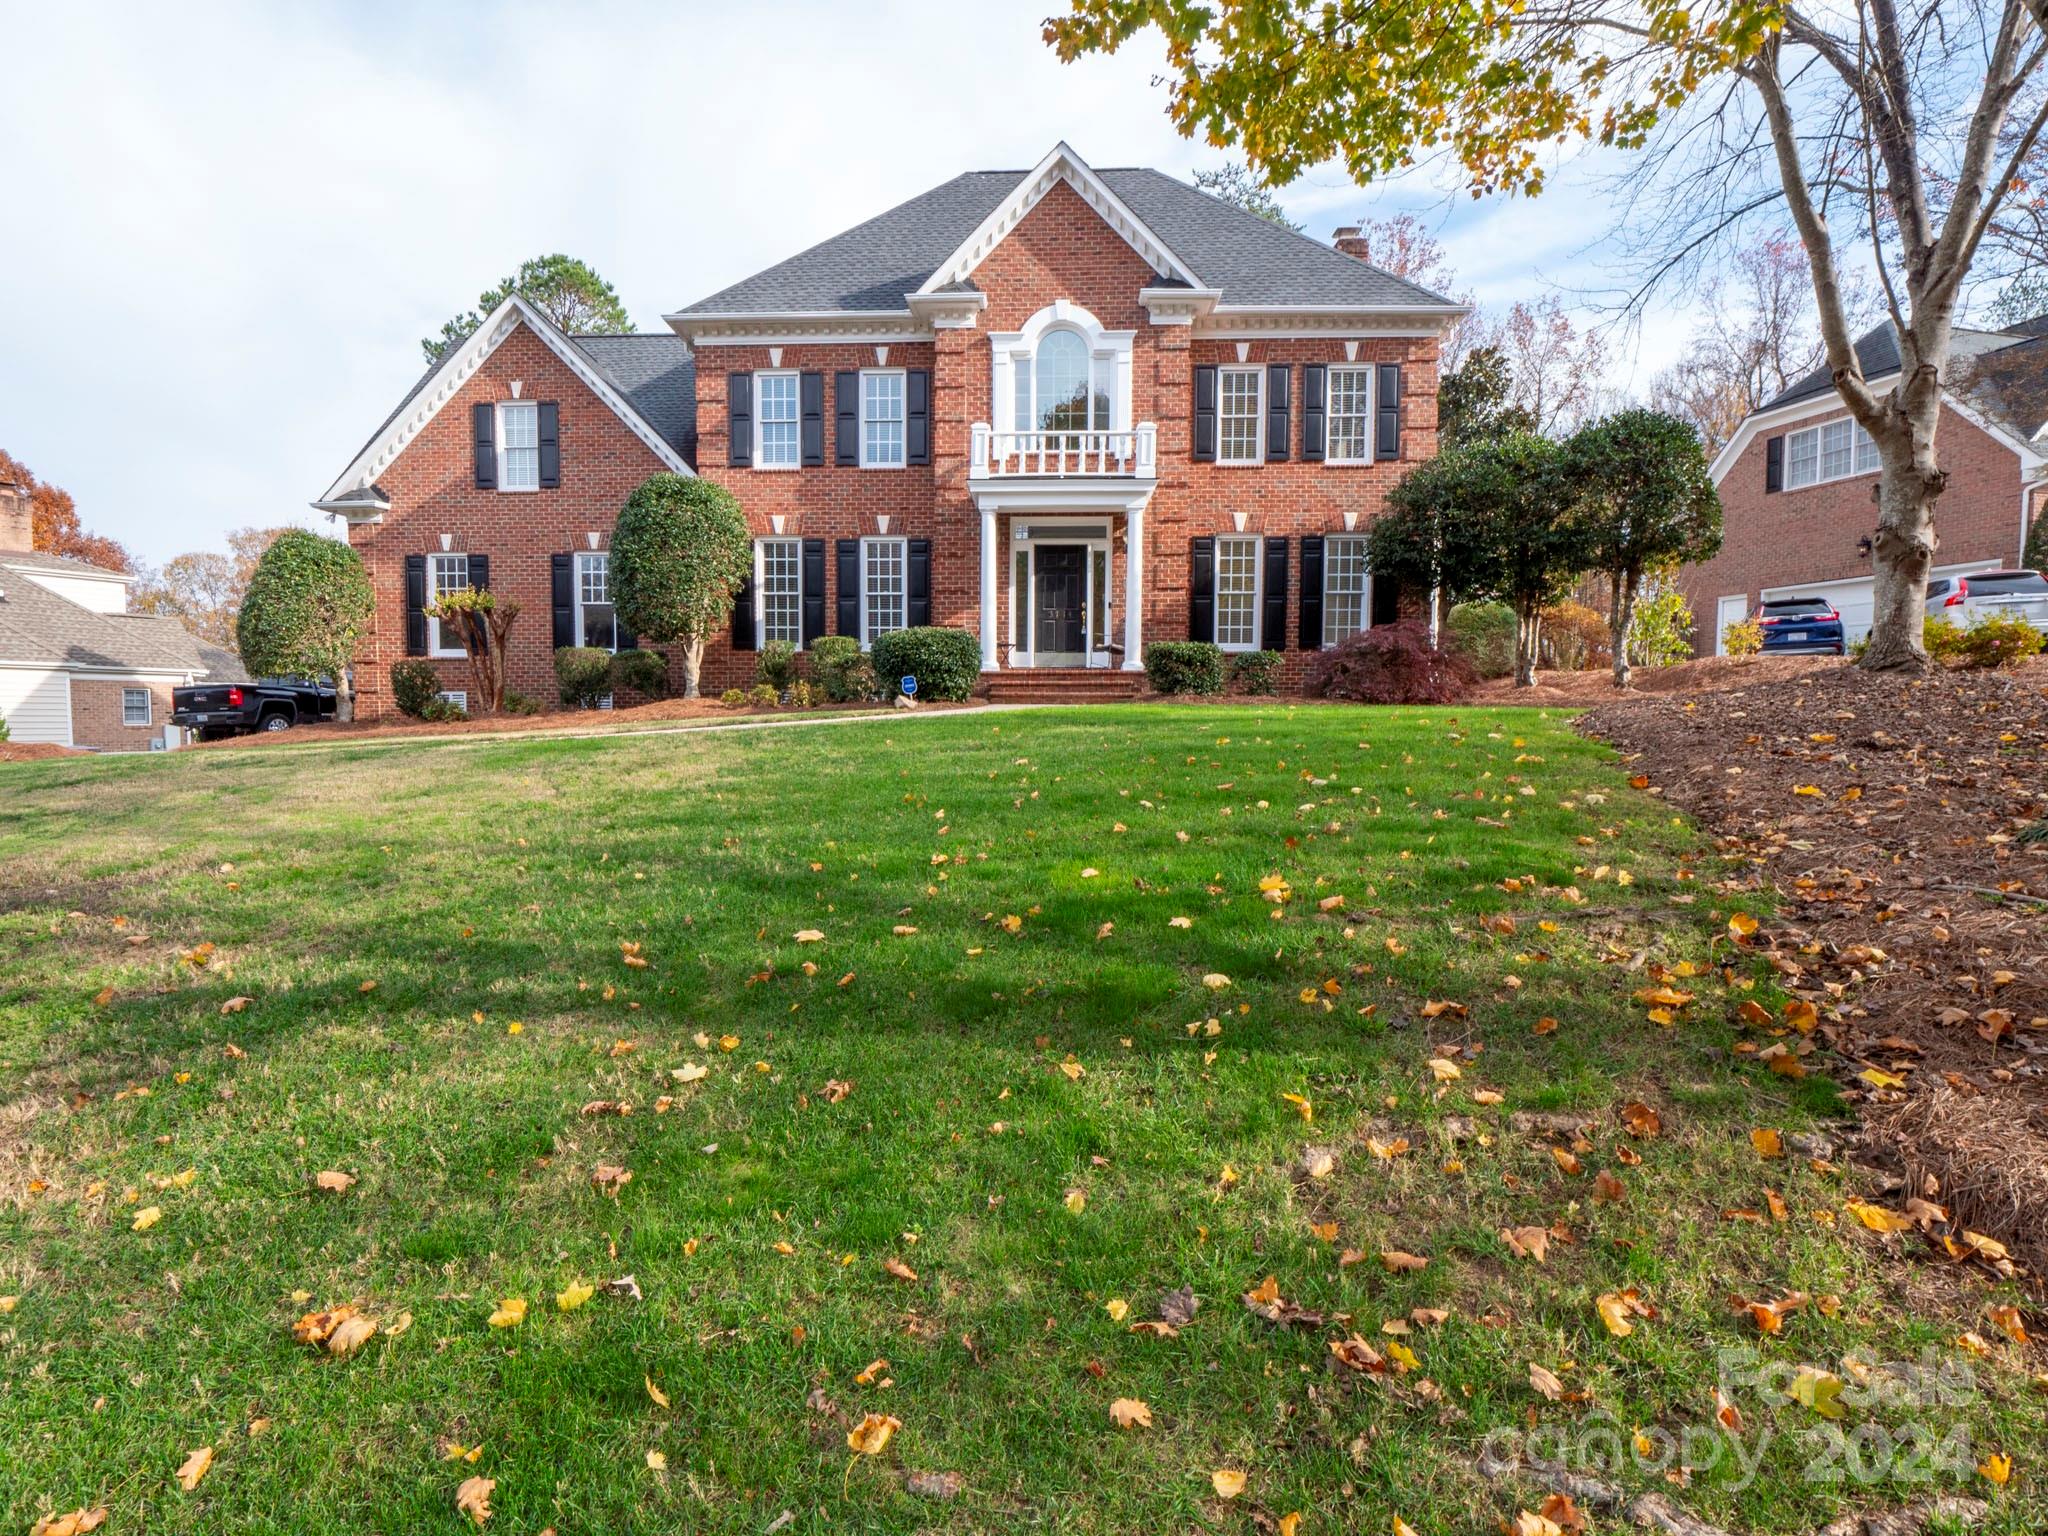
x=848, y=561
x=814, y=590
x=846, y=413
x=484, y=418
x=1202, y=587
x=1279, y=413
x=1311, y=636
x=1314, y=382
x=1273, y=625
x=1387, y=406
x=1774, y=463
x=810, y=393
x=415, y=605
x=739, y=423
x=917, y=416
x=478, y=572
x=1386, y=600
x=918, y=609
x=562, y=589
x=743, y=617
x=549, y=416
x=1205, y=421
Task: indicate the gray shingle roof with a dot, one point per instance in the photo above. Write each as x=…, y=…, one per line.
x=1877, y=352
x=657, y=375
x=48, y=562
x=1251, y=260
x=36, y=625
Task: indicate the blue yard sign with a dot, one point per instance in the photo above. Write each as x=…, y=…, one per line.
x=910, y=685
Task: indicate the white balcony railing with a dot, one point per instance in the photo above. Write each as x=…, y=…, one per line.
x=1132, y=452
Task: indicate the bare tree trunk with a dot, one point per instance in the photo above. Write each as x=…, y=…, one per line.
x=344, y=696
x=1528, y=626
x=1904, y=550
x=693, y=662
x=1621, y=613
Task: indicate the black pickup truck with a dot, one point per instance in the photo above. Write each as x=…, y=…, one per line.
x=235, y=709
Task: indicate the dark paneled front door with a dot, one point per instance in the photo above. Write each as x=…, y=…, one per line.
x=1062, y=593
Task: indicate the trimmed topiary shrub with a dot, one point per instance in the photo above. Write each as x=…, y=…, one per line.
x=1255, y=671
x=777, y=667
x=1391, y=664
x=584, y=675
x=844, y=675
x=945, y=662
x=306, y=613
x=680, y=552
x=1184, y=666
x=414, y=683
x=641, y=672
x=1484, y=634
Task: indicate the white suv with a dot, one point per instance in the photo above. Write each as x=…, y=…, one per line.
x=1962, y=600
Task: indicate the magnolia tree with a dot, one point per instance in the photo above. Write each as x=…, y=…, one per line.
x=306, y=613
x=1905, y=131
x=680, y=552
x=1644, y=501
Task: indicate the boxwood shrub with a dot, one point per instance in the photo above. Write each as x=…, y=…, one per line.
x=843, y=674
x=1184, y=666
x=641, y=672
x=414, y=685
x=584, y=674
x=945, y=662
x=1255, y=671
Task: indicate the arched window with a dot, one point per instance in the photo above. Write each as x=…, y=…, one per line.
x=1065, y=388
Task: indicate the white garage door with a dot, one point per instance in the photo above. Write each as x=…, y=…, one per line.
x=36, y=704
x=1855, y=601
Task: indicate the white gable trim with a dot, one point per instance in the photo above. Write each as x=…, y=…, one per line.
x=1061, y=165
x=458, y=364
x=1831, y=404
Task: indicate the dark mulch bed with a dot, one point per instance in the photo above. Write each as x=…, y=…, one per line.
x=1902, y=825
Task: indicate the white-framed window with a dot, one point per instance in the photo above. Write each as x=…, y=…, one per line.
x=1834, y=450
x=884, y=587
x=1347, y=588
x=1237, y=594
x=1348, y=416
x=595, y=623
x=1063, y=386
x=518, y=446
x=776, y=428
x=445, y=574
x=779, y=589
x=135, y=706
x=1240, y=393
x=881, y=418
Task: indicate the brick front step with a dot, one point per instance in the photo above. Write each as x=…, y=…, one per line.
x=1064, y=685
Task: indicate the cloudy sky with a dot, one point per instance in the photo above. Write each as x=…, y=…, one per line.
x=231, y=224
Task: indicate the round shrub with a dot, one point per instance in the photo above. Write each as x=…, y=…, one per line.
x=1484, y=634
x=307, y=610
x=1255, y=671
x=764, y=693
x=1392, y=664
x=1184, y=666
x=732, y=698
x=2000, y=640
x=945, y=662
x=680, y=552
x=844, y=675
x=414, y=684
x=641, y=672
x=584, y=675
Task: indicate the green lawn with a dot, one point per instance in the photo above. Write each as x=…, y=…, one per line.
x=1054, y=1113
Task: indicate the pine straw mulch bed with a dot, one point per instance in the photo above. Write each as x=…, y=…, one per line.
x=1902, y=826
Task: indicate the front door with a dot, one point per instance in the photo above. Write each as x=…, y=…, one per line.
x=1061, y=599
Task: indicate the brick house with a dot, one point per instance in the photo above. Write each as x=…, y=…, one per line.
x=1067, y=410
x=76, y=667
x=1798, y=482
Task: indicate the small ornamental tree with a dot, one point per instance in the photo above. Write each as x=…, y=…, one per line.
x=680, y=552
x=306, y=612
x=483, y=624
x=1644, y=501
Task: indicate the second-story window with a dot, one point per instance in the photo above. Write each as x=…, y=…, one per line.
x=1350, y=416
x=1831, y=451
x=881, y=420
x=519, y=426
x=1064, y=388
x=775, y=409
x=1237, y=415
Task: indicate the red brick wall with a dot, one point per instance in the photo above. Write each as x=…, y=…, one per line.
x=1774, y=539
x=96, y=715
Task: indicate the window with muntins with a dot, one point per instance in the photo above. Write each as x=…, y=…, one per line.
x=884, y=590
x=445, y=574
x=1237, y=415
x=595, y=623
x=1350, y=415
x=1237, y=594
x=881, y=420
x=1346, y=608
x=519, y=426
x=135, y=706
x=1834, y=450
x=775, y=412
x=782, y=590
x=1064, y=388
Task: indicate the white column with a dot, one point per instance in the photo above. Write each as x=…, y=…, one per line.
x=1134, y=590
x=989, y=655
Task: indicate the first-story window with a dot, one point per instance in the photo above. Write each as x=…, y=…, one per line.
x=775, y=413
x=884, y=588
x=595, y=625
x=881, y=420
x=445, y=574
x=1347, y=606
x=1237, y=415
x=135, y=706
x=1237, y=594
x=781, y=588
x=1350, y=415
x=519, y=426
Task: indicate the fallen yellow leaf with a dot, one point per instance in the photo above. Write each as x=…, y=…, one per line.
x=195, y=1467
x=871, y=1436
x=1227, y=1483
x=1130, y=1413
x=574, y=1295
x=510, y=1314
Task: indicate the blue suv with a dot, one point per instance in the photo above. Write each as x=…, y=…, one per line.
x=1801, y=626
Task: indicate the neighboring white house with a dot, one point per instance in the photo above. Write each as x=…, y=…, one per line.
x=76, y=667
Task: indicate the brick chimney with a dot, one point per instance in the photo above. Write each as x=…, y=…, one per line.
x=16, y=525
x=1348, y=240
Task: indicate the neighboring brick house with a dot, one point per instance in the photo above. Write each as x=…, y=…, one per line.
x=1069, y=411
x=1798, y=482
x=76, y=667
